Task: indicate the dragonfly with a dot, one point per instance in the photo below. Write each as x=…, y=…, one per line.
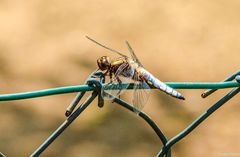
x=125, y=70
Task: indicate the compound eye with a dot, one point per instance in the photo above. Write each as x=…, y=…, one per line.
x=105, y=60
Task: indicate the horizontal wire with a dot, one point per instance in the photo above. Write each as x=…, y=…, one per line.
x=79, y=88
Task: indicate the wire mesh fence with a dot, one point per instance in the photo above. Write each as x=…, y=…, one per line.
x=95, y=85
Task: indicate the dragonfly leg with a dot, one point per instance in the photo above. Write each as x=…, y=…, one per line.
x=110, y=75
x=119, y=80
x=120, y=83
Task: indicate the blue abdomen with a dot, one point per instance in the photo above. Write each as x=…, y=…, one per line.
x=150, y=79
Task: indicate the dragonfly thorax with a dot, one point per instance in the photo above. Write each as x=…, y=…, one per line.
x=104, y=63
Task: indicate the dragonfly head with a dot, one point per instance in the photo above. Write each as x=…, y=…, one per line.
x=104, y=63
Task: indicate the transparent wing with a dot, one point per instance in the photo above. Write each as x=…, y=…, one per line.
x=133, y=55
x=140, y=95
x=104, y=46
x=120, y=81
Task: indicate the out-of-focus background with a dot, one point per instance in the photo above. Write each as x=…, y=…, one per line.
x=43, y=45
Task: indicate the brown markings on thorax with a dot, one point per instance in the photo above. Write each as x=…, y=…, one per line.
x=116, y=63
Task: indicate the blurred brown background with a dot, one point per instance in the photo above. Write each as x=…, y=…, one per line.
x=43, y=45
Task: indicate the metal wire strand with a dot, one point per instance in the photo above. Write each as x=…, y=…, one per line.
x=84, y=88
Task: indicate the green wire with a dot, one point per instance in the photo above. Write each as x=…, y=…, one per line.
x=45, y=92
x=203, y=85
x=79, y=88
